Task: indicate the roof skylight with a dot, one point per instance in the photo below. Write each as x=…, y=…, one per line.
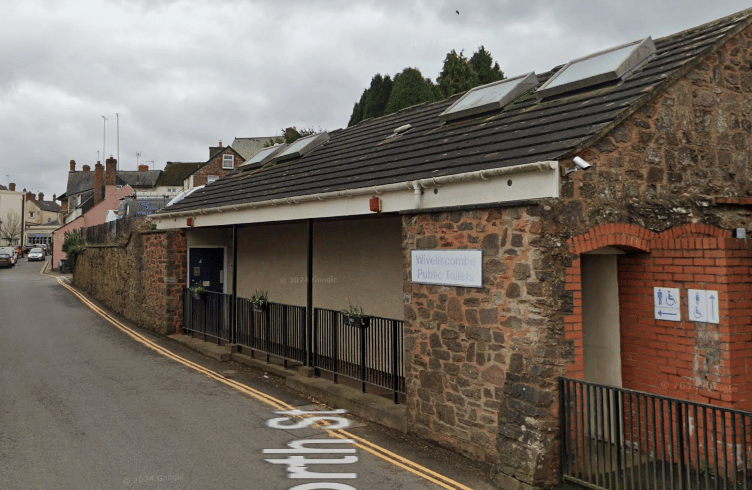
x=603, y=66
x=265, y=154
x=490, y=97
x=301, y=146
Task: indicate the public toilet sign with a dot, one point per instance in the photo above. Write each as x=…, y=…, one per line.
x=667, y=304
x=703, y=305
x=448, y=267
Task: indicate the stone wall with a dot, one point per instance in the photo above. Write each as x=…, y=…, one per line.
x=140, y=280
x=480, y=363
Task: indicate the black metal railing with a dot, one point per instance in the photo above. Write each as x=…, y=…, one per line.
x=371, y=355
x=614, y=438
x=278, y=330
x=207, y=315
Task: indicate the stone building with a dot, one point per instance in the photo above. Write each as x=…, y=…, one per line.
x=592, y=197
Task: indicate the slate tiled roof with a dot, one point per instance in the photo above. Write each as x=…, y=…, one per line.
x=50, y=206
x=526, y=131
x=176, y=172
x=138, y=179
x=3, y=188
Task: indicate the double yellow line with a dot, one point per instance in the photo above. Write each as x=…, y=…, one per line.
x=363, y=444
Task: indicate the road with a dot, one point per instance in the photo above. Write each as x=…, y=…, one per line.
x=85, y=405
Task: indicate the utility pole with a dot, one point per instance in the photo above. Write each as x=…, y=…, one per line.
x=104, y=134
x=118, y=140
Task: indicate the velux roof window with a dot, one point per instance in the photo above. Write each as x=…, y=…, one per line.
x=489, y=97
x=301, y=146
x=601, y=67
x=265, y=155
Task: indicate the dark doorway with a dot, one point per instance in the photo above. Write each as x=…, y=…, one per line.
x=206, y=268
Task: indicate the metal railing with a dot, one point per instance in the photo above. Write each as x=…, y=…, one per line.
x=279, y=330
x=614, y=438
x=371, y=355
x=207, y=315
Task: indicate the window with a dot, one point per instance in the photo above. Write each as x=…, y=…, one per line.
x=31, y=214
x=228, y=162
x=211, y=178
x=489, y=97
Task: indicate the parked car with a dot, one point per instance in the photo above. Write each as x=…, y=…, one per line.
x=36, y=254
x=7, y=257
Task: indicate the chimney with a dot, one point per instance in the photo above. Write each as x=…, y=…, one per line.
x=143, y=168
x=98, y=182
x=54, y=197
x=12, y=186
x=110, y=172
x=86, y=168
x=30, y=196
x=72, y=165
x=220, y=143
x=41, y=197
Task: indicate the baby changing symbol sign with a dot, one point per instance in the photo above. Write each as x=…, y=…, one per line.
x=703, y=305
x=666, y=304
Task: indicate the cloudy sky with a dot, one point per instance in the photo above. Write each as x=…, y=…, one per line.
x=183, y=75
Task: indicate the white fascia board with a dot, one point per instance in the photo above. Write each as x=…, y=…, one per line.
x=538, y=181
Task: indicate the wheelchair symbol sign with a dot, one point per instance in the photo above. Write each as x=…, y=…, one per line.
x=667, y=304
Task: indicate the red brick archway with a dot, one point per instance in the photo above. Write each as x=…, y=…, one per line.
x=674, y=358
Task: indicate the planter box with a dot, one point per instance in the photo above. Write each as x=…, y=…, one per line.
x=357, y=321
x=260, y=308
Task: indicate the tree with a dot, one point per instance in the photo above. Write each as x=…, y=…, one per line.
x=291, y=134
x=11, y=227
x=484, y=67
x=74, y=242
x=373, y=100
x=409, y=88
x=457, y=75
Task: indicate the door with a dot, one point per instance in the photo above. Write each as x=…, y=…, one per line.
x=206, y=267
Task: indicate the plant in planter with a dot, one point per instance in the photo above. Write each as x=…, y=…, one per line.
x=198, y=291
x=354, y=316
x=260, y=300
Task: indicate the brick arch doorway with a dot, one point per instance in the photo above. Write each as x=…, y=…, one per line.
x=601, y=329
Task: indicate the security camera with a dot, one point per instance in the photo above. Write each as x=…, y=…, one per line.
x=581, y=163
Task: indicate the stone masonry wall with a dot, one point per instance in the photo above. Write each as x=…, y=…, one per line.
x=140, y=280
x=479, y=363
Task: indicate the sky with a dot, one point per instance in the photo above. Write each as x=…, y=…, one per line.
x=173, y=78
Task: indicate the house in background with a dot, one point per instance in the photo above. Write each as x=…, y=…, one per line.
x=105, y=194
x=12, y=216
x=585, y=223
x=222, y=160
x=248, y=147
x=42, y=218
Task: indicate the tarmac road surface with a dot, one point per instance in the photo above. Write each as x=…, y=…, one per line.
x=84, y=405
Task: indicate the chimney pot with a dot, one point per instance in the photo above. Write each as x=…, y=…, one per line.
x=86, y=168
x=72, y=165
x=143, y=168
x=98, y=182
x=12, y=186
x=41, y=196
x=110, y=172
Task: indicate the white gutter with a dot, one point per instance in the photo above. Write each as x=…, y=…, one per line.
x=416, y=186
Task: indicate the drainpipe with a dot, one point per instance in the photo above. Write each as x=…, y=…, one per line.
x=418, y=192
